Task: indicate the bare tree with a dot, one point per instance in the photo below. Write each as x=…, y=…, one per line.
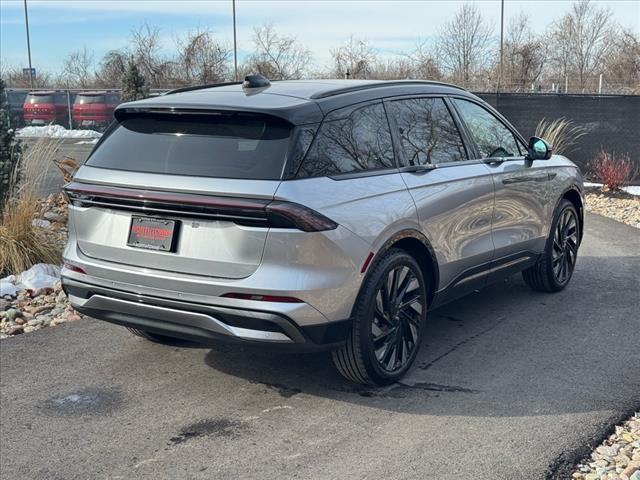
x=394, y=68
x=16, y=78
x=581, y=39
x=202, y=58
x=77, y=69
x=622, y=65
x=464, y=44
x=145, y=45
x=277, y=57
x=112, y=69
x=354, y=59
x=423, y=63
x=524, y=54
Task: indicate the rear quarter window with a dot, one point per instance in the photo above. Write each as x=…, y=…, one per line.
x=238, y=146
x=360, y=141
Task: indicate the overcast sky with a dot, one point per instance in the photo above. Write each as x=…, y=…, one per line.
x=58, y=27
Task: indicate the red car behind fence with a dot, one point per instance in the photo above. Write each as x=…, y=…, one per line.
x=94, y=109
x=45, y=107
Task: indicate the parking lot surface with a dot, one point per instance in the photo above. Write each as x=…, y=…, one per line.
x=510, y=384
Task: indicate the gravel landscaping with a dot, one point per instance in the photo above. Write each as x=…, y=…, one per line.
x=38, y=308
x=618, y=458
x=621, y=206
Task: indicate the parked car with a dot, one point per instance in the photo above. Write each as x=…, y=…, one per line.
x=313, y=215
x=94, y=109
x=45, y=107
x=15, y=100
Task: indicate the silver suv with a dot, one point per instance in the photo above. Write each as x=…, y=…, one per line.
x=306, y=215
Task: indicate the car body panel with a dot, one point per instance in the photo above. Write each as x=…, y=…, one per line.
x=480, y=221
x=455, y=208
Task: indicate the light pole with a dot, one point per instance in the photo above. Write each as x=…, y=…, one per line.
x=501, y=43
x=26, y=22
x=235, y=42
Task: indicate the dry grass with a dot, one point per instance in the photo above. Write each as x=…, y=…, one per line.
x=560, y=133
x=21, y=243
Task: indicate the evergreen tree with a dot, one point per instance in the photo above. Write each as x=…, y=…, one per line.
x=10, y=150
x=133, y=84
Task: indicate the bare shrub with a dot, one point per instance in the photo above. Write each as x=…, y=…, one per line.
x=560, y=133
x=613, y=171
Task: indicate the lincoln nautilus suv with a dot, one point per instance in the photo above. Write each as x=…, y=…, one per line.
x=309, y=215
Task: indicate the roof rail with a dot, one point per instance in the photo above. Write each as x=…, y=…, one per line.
x=199, y=87
x=382, y=83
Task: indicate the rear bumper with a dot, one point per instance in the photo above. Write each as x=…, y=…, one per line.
x=202, y=323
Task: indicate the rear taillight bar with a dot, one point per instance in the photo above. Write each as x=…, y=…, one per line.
x=245, y=211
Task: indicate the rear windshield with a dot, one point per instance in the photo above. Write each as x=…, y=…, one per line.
x=226, y=146
x=46, y=98
x=82, y=99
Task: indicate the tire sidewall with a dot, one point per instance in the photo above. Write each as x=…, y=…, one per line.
x=562, y=207
x=364, y=316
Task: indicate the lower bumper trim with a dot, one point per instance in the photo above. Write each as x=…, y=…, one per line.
x=200, y=323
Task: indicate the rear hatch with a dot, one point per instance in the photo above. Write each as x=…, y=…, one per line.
x=39, y=106
x=91, y=107
x=181, y=192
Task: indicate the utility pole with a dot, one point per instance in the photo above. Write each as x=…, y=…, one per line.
x=501, y=42
x=235, y=42
x=26, y=22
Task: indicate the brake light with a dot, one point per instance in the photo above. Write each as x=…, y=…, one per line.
x=262, y=298
x=293, y=215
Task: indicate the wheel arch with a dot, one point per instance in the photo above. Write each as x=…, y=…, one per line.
x=573, y=195
x=418, y=246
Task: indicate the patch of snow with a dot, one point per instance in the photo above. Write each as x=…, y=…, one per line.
x=8, y=286
x=56, y=131
x=633, y=189
x=41, y=275
x=87, y=142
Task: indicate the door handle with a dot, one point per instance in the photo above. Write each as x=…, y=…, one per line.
x=526, y=178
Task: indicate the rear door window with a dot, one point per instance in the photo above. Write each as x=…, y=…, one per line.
x=235, y=145
x=427, y=131
x=359, y=140
x=491, y=136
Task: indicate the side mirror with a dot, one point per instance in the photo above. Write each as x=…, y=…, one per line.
x=538, y=149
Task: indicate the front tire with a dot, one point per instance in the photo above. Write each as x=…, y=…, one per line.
x=555, y=268
x=388, y=322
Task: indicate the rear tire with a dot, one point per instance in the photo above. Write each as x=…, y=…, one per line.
x=554, y=269
x=388, y=321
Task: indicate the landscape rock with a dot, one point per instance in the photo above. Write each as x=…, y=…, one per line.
x=618, y=458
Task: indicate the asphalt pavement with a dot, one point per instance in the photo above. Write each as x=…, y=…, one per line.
x=510, y=384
